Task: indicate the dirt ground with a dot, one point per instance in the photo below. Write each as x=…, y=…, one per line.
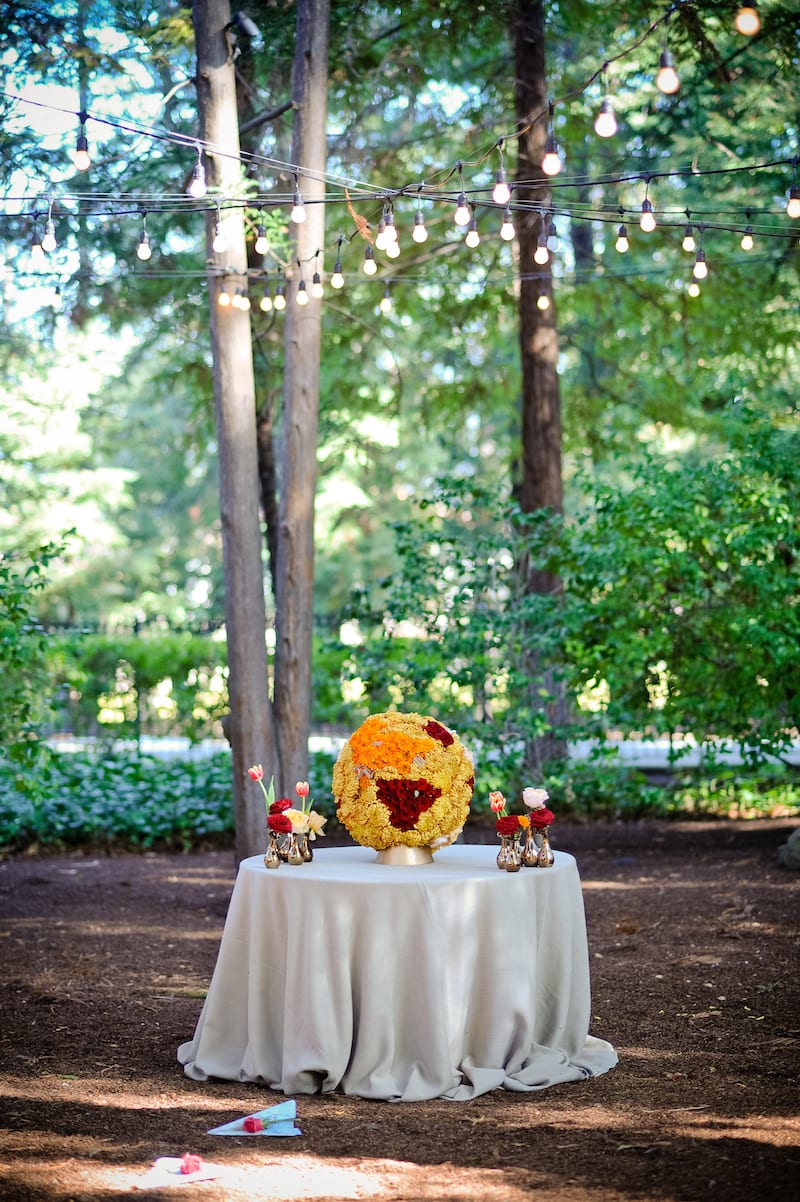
x=693, y=940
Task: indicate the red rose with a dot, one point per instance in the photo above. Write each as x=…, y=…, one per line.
x=278, y=807
x=507, y=825
x=541, y=817
x=406, y=800
x=190, y=1163
x=253, y=1123
x=279, y=823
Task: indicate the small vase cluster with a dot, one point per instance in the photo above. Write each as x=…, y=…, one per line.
x=524, y=838
x=290, y=829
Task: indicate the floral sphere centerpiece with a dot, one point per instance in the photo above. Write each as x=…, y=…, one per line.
x=403, y=780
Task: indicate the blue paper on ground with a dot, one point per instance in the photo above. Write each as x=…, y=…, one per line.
x=277, y=1120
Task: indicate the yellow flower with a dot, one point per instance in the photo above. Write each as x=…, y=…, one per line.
x=315, y=824
x=299, y=821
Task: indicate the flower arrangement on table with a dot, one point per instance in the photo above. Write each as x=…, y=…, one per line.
x=283, y=818
x=535, y=850
x=403, y=780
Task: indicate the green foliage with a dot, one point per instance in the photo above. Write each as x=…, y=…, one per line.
x=23, y=661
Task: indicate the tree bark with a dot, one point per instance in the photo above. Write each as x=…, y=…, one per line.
x=541, y=480
x=250, y=727
x=300, y=416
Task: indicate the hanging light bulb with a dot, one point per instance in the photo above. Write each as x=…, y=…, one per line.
x=462, y=214
x=197, y=185
x=688, y=243
x=667, y=79
x=501, y=193
x=337, y=279
x=700, y=269
x=792, y=207
x=551, y=163
x=541, y=255
x=220, y=240
x=747, y=20
x=37, y=253
x=605, y=124
x=369, y=266
x=317, y=290
x=622, y=242
x=80, y=155
x=391, y=228
x=542, y=300
x=385, y=303
x=472, y=238
x=381, y=239
x=747, y=238
x=393, y=250
x=49, y=240
x=279, y=302
x=647, y=221
x=302, y=294
x=298, y=213
x=507, y=230
x=144, y=250
x=244, y=300
x=262, y=242
x=419, y=233
x=265, y=304
x=552, y=235
x=224, y=298
x=694, y=288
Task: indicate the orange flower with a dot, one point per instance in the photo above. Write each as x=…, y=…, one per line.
x=524, y=821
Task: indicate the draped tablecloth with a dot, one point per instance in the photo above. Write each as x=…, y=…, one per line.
x=400, y=983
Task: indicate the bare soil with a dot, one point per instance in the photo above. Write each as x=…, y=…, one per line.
x=693, y=939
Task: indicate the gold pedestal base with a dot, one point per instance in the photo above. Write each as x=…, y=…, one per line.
x=405, y=856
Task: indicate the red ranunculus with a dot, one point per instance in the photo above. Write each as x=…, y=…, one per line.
x=279, y=806
x=507, y=825
x=253, y=1123
x=190, y=1163
x=280, y=824
x=541, y=817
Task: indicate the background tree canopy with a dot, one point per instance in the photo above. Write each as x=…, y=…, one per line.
x=680, y=543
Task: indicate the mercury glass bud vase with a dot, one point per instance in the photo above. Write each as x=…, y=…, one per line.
x=502, y=855
x=531, y=848
x=546, y=857
x=272, y=858
x=514, y=860
x=294, y=854
x=306, y=848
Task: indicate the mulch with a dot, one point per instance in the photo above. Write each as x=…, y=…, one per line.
x=693, y=940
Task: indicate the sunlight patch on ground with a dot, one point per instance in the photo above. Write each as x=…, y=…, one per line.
x=775, y=1130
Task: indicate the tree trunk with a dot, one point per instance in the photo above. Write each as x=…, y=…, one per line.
x=541, y=484
x=250, y=725
x=300, y=417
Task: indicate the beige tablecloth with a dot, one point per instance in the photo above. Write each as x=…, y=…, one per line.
x=400, y=983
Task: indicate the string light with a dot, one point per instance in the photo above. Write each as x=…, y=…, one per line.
x=747, y=238
x=647, y=222
x=302, y=294
x=747, y=20
x=265, y=304
x=262, y=242
x=385, y=303
x=369, y=266
x=337, y=279
x=197, y=185
x=381, y=239
x=507, y=230
x=621, y=245
x=224, y=298
x=144, y=250
x=80, y=156
x=49, y=240
x=542, y=300
x=501, y=193
x=279, y=302
x=419, y=233
x=552, y=235
x=37, y=253
x=317, y=290
x=551, y=163
x=700, y=269
x=694, y=288
x=462, y=213
x=298, y=213
x=391, y=228
x=472, y=238
x=793, y=204
x=667, y=79
x=688, y=244
x=542, y=255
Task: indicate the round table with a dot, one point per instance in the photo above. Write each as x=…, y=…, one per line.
x=400, y=983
